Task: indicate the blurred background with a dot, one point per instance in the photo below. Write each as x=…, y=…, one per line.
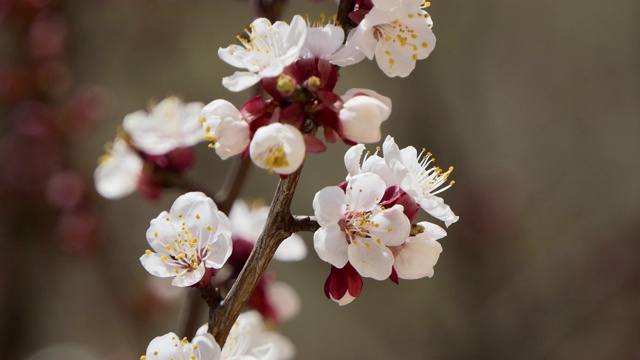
x=536, y=104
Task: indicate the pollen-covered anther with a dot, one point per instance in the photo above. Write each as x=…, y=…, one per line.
x=276, y=158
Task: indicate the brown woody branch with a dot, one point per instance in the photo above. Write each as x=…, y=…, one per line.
x=279, y=227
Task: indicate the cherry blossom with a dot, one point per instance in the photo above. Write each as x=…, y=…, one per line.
x=397, y=33
x=225, y=125
x=362, y=113
x=423, y=183
x=171, y=124
x=410, y=171
x=249, y=339
x=356, y=229
x=278, y=147
x=192, y=236
x=171, y=347
x=119, y=171
x=266, y=52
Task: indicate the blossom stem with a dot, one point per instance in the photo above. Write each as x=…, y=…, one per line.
x=279, y=227
x=342, y=17
x=181, y=182
x=232, y=185
x=304, y=223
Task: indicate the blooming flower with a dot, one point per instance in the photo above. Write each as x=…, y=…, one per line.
x=169, y=125
x=119, y=171
x=247, y=224
x=362, y=113
x=397, y=33
x=423, y=183
x=278, y=147
x=250, y=340
x=225, y=125
x=171, y=347
x=355, y=229
x=266, y=52
x=192, y=236
x=416, y=257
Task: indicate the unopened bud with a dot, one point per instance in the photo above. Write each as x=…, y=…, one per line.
x=286, y=84
x=313, y=83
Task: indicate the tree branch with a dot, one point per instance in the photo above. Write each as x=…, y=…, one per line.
x=304, y=223
x=278, y=227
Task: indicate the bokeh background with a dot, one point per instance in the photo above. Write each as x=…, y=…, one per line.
x=536, y=104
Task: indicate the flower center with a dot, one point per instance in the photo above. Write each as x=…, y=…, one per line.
x=185, y=250
x=276, y=158
x=356, y=225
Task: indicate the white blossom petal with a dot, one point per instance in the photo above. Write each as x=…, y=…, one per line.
x=362, y=113
x=370, y=259
x=331, y=245
x=240, y=80
x=292, y=248
x=322, y=42
x=156, y=266
x=416, y=258
x=329, y=205
x=284, y=299
x=392, y=226
x=352, y=159
x=364, y=191
x=119, y=171
x=189, y=278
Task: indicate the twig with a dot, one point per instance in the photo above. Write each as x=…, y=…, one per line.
x=232, y=185
x=270, y=9
x=181, y=182
x=279, y=227
x=342, y=17
x=304, y=223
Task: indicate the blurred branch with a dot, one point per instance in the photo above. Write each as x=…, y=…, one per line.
x=270, y=9
x=232, y=185
x=342, y=17
x=181, y=182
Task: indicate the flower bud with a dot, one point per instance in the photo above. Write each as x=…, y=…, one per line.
x=286, y=85
x=278, y=147
x=313, y=83
x=362, y=113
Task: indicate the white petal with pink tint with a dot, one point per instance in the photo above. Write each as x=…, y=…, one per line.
x=416, y=258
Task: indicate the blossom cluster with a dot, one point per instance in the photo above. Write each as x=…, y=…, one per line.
x=248, y=339
x=368, y=226
x=297, y=65
x=158, y=141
